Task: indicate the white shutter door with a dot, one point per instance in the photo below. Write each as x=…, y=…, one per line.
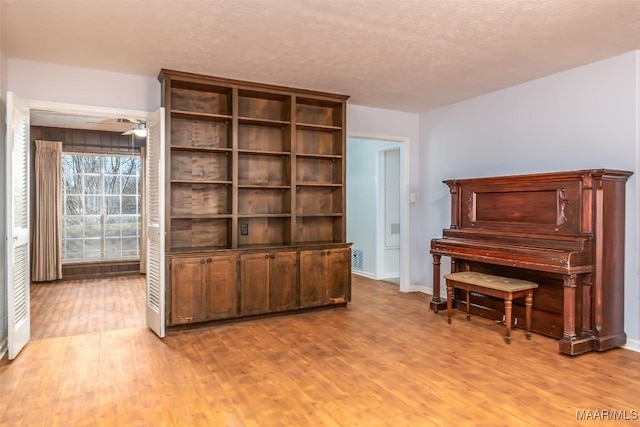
x=17, y=180
x=155, y=223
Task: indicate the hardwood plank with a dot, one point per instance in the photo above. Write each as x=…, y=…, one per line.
x=385, y=360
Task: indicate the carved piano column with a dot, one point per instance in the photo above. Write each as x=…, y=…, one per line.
x=436, y=302
x=569, y=333
x=586, y=304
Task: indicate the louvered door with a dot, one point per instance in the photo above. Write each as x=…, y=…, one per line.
x=155, y=224
x=17, y=180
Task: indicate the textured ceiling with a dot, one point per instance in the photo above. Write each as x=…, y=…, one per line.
x=411, y=55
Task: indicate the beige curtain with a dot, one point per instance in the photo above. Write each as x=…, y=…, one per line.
x=46, y=262
x=143, y=211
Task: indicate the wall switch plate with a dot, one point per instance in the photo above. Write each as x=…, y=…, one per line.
x=412, y=197
x=244, y=229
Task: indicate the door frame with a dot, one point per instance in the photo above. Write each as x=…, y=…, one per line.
x=381, y=205
x=75, y=109
x=405, y=265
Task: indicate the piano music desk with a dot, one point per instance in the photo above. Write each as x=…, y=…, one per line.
x=495, y=286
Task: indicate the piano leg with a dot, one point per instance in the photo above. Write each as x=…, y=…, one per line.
x=570, y=343
x=436, y=302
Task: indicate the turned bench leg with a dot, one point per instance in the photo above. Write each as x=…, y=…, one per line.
x=528, y=301
x=449, y=303
x=468, y=305
x=507, y=315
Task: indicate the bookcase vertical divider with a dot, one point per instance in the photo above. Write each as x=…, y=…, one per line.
x=294, y=150
x=234, y=168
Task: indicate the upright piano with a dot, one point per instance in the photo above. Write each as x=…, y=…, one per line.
x=563, y=231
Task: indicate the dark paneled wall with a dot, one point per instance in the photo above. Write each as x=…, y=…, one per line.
x=89, y=141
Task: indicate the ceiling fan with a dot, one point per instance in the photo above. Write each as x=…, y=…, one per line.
x=138, y=127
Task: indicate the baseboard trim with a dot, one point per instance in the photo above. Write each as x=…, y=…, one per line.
x=390, y=276
x=633, y=345
x=364, y=274
x=420, y=288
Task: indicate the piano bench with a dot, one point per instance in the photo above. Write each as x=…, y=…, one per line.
x=495, y=286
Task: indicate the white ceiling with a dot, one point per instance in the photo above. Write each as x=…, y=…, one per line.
x=407, y=55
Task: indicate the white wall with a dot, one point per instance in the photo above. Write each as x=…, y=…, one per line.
x=582, y=118
x=378, y=122
x=57, y=83
x=362, y=200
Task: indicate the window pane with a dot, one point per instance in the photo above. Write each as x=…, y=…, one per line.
x=112, y=247
x=112, y=226
x=92, y=205
x=73, y=227
x=130, y=244
x=112, y=205
x=91, y=164
x=72, y=249
x=129, y=205
x=130, y=225
x=112, y=184
x=129, y=185
x=92, y=227
x=73, y=205
x=92, y=184
x=93, y=249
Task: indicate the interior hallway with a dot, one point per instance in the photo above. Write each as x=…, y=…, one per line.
x=386, y=360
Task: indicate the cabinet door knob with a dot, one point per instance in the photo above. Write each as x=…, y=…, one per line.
x=201, y=260
x=209, y=260
x=266, y=255
x=328, y=252
x=272, y=256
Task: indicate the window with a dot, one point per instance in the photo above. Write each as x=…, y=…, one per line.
x=101, y=208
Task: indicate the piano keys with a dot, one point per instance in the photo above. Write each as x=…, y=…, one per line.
x=562, y=230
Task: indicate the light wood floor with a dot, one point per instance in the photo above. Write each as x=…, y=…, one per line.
x=383, y=361
x=74, y=307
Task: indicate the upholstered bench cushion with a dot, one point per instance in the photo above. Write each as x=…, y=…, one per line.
x=499, y=283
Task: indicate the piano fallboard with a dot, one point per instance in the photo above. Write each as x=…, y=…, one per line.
x=523, y=254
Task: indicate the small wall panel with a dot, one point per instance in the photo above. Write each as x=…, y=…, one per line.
x=199, y=133
x=199, y=233
x=200, y=99
x=263, y=170
x=264, y=231
x=200, y=166
x=318, y=171
x=319, y=143
x=260, y=201
x=200, y=199
x=313, y=200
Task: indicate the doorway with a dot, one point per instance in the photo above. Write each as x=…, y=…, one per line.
x=377, y=207
x=101, y=303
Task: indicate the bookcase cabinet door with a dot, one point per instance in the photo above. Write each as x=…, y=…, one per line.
x=222, y=286
x=188, y=282
x=283, y=278
x=312, y=278
x=254, y=283
x=338, y=275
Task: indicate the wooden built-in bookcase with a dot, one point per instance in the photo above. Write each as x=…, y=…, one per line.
x=255, y=203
